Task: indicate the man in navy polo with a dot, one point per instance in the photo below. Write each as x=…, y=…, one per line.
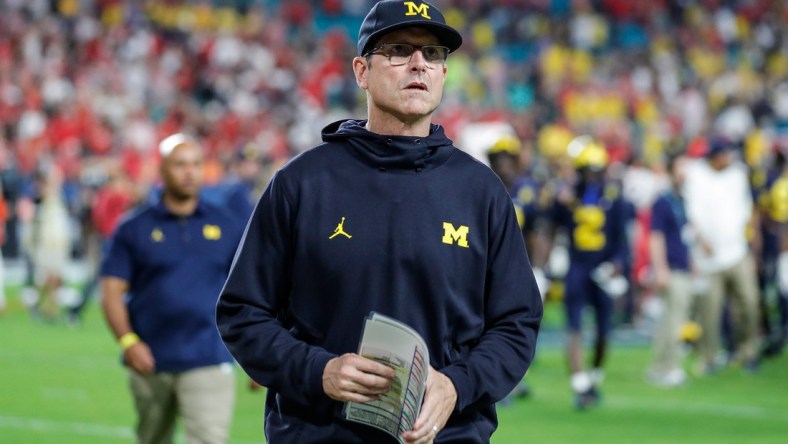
x=161, y=279
x=669, y=242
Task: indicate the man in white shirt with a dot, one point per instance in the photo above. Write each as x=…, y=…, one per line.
x=720, y=208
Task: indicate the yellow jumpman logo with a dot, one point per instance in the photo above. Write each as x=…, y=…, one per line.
x=340, y=230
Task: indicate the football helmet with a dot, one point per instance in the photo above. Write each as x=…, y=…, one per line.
x=586, y=152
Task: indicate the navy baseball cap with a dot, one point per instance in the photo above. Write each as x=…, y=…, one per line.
x=389, y=15
x=719, y=145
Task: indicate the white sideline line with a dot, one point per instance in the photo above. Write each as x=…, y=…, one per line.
x=722, y=410
x=81, y=428
x=78, y=428
x=65, y=394
x=79, y=361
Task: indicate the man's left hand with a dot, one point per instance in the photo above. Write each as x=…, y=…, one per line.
x=439, y=401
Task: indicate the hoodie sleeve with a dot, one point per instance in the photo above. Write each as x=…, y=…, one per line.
x=254, y=298
x=497, y=362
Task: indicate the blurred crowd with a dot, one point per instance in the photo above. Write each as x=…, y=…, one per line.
x=88, y=88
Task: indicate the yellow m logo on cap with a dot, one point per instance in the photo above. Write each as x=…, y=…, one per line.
x=420, y=9
x=452, y=235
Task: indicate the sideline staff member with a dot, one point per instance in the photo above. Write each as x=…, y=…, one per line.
x=160, y=281
x=385, y=215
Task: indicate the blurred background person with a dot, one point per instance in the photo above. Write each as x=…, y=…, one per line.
x=720, y=208
x=772, y=204
x=3, y=219
x=669, y=240
x=508, y=161
x=49, y=243
x=593, y=215
x=240, y=187
x=512, y=163
x=161, y=307
x=113, y=198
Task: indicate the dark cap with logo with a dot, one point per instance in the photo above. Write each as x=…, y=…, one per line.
x=718, y=145
x=389, y=15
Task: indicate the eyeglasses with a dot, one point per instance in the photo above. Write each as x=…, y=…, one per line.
x=401, y=53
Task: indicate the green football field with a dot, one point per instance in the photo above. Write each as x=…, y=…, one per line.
x=62, y=384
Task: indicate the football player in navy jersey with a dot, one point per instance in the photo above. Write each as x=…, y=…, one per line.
x=505, y=158
x=772, y=204
x=593, y=215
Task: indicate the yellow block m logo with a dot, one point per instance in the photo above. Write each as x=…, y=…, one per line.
x=452, y=235
x=211, y=232
x=421, y=8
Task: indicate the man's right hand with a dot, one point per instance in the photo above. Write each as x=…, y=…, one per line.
x=139, y=358
x=352, y=377
x=661, y=278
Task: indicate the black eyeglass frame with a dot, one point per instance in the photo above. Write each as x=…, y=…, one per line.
x=431, y=62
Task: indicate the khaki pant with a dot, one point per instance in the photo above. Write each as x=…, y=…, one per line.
x=740, y=284
x=677, y=300
x=203, y=397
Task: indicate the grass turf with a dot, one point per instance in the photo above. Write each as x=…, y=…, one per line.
x=61, y=384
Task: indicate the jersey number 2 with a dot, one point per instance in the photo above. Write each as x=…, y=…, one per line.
x=588, y=234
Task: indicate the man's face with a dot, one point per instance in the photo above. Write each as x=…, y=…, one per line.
x=410, y=91
x=678, y=171
x=721, y=160
x=505, y=167
x=182, y=171
x=592, y=175
x=249, y=169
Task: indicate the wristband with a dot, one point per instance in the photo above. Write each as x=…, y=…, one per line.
x=127, y=340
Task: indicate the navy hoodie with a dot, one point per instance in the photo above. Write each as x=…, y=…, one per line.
x=428, y=236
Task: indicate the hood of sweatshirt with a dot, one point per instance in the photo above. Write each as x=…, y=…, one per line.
x=391, y=152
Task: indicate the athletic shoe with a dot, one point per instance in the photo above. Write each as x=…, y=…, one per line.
x=773, y=348
x=752, y=365
x=587, y=399
x=711, y=368
x=672, y=378
x=521, y=391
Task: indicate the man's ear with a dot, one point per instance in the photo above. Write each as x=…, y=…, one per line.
x=361, y=69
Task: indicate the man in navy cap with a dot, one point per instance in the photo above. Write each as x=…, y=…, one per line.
x=386, y=215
